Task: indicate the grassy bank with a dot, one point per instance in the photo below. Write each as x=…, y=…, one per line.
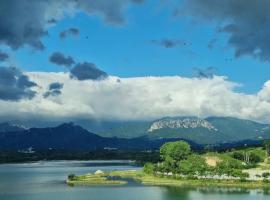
x=146, y=179
x=93, y=179
x=171, y=181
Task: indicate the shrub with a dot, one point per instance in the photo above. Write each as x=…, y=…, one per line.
x=229, y=166
x=239, y=173
x=258, y=176
x=243, y=180
x=193, y=165
x=238, y=155
x=266, y=175
x=149, y=168
x=71, y=177
x=266, y=180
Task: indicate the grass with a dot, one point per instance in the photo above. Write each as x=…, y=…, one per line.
x=146, y=179
x=172, y=181
x=165, y=181
x=93, y=179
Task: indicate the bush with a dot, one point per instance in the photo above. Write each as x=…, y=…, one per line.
x=266, y=175
x=255, y=157
x=266, y=180
x=258, y=176
x=229, y=166
x=243, y=180
x=250, y=156
x=193, y=165
x=149, y=168
x=239, y=173
x=71, y=177
x=238, y=155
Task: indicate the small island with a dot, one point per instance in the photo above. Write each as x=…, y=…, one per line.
x=98, y=178
x=179, y=166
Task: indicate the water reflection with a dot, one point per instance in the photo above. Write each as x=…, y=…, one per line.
x=176, y=193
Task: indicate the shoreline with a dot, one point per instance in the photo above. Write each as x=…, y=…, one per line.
x=113, y=161
x=151, y=180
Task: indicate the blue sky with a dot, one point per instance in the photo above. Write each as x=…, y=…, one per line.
x=126, y=50
x=134, y=59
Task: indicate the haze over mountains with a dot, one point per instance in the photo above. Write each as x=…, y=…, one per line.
x=133, y=135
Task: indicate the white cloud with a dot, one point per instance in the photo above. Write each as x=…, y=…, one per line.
x=138, y=98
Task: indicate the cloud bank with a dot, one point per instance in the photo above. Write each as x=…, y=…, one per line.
x=87, y=71
x=15, y=85
x=60, y=59
x=25, y=22
x=141, y=98
x=247, y=23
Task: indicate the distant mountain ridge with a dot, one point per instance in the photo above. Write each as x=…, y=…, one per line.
x=209, y=130
x=212, y=130
x=10, y=127
x=142, y=134
x=69, y=136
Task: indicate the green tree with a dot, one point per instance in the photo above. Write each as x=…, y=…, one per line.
x=175, y=150
x=169, y=165
x=267, y=147
x=228, y=166
x=149, y=168
x=193, y=165
x=164, y=149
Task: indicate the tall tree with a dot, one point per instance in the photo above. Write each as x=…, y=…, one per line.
x=175, y=150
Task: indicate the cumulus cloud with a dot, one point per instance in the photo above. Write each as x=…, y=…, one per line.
x=137, y=99
x=54, y=90
x=169, y=43
x=22, y=22
x=56, y=86
x=60, y=59
x=25, y=22
x=52, y=93
x=111, y=11
x=87, y=71
x=14, y=85
x=3, y=56
x=247, y=23
x=208, y=72
x=69, y=32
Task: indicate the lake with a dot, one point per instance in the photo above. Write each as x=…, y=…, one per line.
x=45, y=180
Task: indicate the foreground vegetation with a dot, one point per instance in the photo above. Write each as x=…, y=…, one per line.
x=177, y=159
x=179, y=166
x=161, y=180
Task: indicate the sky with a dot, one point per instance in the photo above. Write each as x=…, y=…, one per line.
x=134, y=59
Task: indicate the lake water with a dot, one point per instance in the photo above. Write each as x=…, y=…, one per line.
x=45, y=181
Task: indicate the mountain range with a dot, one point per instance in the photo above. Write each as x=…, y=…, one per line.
x=210, y=130
x=68, y=136
x=143, y=135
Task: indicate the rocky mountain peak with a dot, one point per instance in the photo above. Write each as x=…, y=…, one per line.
x=176, y=123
